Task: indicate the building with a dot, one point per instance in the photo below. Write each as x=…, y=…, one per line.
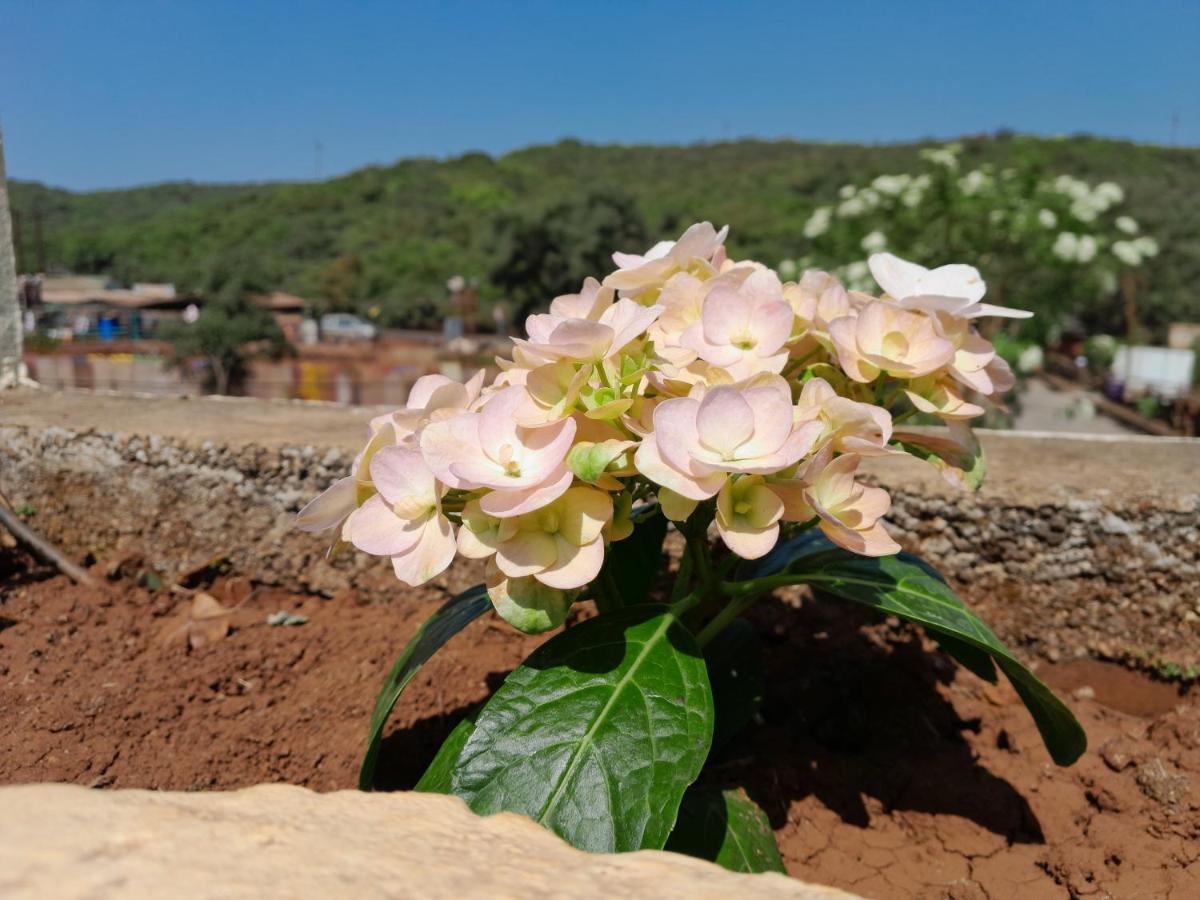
x=93, y=307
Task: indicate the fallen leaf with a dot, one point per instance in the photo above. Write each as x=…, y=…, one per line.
x=204, y=622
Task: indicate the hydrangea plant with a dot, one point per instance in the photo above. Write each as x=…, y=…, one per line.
x=688, y=391
x=1058, y=241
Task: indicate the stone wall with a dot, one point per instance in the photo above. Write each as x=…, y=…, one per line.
x=1074, y=546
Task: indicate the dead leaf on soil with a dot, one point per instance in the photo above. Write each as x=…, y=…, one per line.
x=204, y=621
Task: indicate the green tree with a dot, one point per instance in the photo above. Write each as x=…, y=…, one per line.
x=544, y=255
x=230, y=329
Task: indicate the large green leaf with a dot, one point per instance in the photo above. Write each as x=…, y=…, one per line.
x=453, y=616
x=438, y=777
x=728, y=828
x=634, y=563
x=596, y=735
x=735, y=671
x=910, y=588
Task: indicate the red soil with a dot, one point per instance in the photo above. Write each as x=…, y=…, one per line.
x=884, y=769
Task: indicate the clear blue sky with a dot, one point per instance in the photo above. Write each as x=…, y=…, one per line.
x=113, y=93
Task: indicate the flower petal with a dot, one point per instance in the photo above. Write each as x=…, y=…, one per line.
x=576, y=566
x=373, y=528
x=329, y=508
x=429, y=556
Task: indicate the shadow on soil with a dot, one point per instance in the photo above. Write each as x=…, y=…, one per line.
x=852, y=710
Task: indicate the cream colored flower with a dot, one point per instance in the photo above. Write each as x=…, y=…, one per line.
x=850, y=513
x=885, y=338
x=560, y=544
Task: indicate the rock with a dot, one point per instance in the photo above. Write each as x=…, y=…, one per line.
x=1116, y=754
x=1114, y=524
x=283, y=841
x=1159, y=784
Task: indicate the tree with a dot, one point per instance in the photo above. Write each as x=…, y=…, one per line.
x=550, y=254
x=229, y=330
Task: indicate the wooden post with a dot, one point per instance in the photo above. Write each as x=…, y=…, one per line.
x=12, y=366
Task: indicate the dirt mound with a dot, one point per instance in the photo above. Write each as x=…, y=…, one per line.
x=884, y=769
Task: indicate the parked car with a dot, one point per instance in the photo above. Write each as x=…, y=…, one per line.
x=346, y=326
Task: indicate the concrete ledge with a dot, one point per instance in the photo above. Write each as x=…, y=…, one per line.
x=60, y=841
x=1075, y=546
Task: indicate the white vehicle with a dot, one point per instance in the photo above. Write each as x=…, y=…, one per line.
x=346, y=326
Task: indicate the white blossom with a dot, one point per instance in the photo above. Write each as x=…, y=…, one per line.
x=1110, y=192
x=1047, y=218
x=974, y=181
x=818, y=222
x=1127, y=224
x=1066, y=245
x=1127, y=252
x=1086, y=249
x=1147, y=246
x=874, y=242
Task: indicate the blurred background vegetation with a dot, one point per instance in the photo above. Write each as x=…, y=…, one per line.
x=382, y=241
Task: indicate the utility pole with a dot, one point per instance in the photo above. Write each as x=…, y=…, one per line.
x=12, y=366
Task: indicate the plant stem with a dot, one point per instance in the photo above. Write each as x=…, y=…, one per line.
x=728, y=613
x=755, y=586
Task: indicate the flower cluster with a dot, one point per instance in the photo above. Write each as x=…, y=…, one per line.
x=1062, y=239
x=684, y=376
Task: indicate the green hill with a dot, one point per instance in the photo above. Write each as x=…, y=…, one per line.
x=390, y=236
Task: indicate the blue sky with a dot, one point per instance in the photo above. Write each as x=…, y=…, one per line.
x=113, y=93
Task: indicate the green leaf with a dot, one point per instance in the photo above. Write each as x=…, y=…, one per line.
x=968, y=656
x=910, y=588
x=453, y=616
x=735, y=671
x=598, y=734
x=438, y=776
x=728, y=828
x=634, y=562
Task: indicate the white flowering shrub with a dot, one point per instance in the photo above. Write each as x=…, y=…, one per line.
x=689, y=390
x=1053, y=244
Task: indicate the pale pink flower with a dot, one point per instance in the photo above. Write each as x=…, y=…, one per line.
x=552, y=392
x=849, y=512
x=939, y=396
x=745, y=428
x=885, y=338
x=330, y=509
x=1001, y=375
x=524, y=468
x=748, y=514
x=817, y=300
x=434, y=397
x=404, y=519
x=590, y=303
x=699, y=246
x=847, y=426
x=560, y=544
x=744, y=328
x=972, y=353
x=953, y=289
x=583, y=340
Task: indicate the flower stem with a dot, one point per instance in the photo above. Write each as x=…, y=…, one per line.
x=728, y=613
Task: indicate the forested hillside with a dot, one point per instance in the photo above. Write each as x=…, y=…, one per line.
x=533, y=221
